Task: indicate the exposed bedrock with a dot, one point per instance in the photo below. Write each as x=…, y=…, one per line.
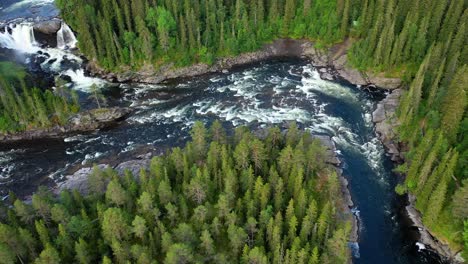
x=386, y=123
x=332, y=63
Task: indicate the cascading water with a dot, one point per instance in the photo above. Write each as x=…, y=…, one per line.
x=66, y=38
x=56, y=60
x=19, y=37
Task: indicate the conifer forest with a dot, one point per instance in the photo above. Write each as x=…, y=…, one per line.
x=240, y=175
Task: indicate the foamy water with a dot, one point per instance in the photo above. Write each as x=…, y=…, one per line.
x=21, y=39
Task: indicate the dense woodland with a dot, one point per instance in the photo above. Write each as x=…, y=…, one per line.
x=22, y=108
x=426, y=43
x=122, y=33
x=218, y=200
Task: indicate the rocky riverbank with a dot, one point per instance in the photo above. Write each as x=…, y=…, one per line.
x=348, y=203
x=427, y=238
x=332, y=64
x=82, y=122
x=386, y=122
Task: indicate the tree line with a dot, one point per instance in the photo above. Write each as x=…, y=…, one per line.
x=120, y=34
x=22, y=108
x=426, y=44
x=219, y=199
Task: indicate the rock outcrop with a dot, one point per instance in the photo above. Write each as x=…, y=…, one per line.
x=333, y=61
x=82, y=122
x=426, y=237
x=79, y=180
x=48, y=27
x=386, y=122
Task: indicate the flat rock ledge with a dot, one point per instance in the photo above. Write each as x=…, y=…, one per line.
x=82, y=122
x=386, y=121
x=427, y=238
x=333, y=65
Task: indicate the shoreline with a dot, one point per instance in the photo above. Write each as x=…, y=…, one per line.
x=385, y=121
x=331, y=63
x=82, y=122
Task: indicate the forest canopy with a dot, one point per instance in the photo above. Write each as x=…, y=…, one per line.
x=217, y=200
x=23, y=108
x=119, y=33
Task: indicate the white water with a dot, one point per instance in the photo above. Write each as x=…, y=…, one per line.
x=21, y=38
x=82, y=82
x=66, y=38
x=420, y=246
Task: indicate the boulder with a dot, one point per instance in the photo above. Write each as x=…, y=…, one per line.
x=79, y=180
x=134, y=166
x=384, y=82
x=82, y=122
x=48, y=27
x=379, y=114
x=351, y=75
x=98, y=118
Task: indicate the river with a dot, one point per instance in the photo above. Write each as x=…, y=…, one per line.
x=259, y=95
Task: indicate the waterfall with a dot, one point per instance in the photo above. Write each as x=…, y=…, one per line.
x=66, y=38
x=21, y=38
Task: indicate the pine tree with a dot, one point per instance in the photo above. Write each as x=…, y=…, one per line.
x=455, y=103
x=460, y=200
x=116, y=194
x=289, y=12
x=436, y=203
x=82, y=252
x=115, y=225
x=345, y=18
x=199, y=136
x=48, y=256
